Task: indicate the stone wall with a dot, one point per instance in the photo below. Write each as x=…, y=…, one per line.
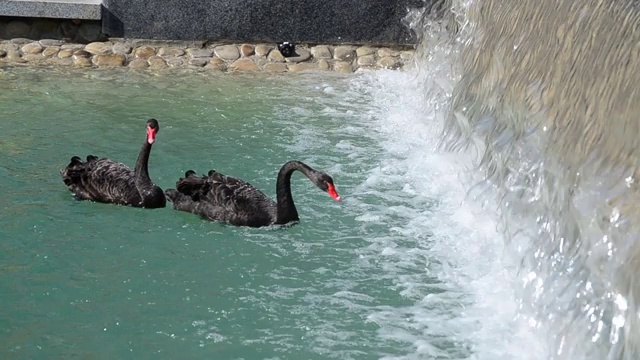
x=157, y=55
x=78, y=43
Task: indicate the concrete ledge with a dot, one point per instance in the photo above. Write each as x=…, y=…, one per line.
x=56, y=9
x=363, y=22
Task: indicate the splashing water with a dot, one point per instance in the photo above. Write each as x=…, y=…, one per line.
x=546, y=94
x=403, y=272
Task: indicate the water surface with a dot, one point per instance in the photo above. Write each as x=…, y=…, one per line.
x=395, y=271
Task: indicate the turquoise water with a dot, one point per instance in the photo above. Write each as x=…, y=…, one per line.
x=395, y=271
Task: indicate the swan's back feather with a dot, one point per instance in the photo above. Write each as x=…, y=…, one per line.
x=224, y=198
x=101, y=180
x=229, y=190
x=107, y=181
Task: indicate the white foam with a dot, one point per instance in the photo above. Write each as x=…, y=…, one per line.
x=442, y=252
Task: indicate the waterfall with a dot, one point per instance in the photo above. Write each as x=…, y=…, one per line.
x=546, y=94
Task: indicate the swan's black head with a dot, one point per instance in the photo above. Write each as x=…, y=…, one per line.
x=152, y=129
x=325, y=183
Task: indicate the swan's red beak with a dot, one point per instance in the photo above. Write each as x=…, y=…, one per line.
x=333, y=193
x=151, y=134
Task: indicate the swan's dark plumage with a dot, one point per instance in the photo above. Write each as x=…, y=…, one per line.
x=104, y=180
x=218, y=197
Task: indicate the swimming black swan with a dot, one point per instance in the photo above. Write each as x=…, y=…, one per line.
x=222, y=198
x=104, y=180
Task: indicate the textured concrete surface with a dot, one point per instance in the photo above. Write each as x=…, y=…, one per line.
x=311, y=21
x=57, y=9
x=378, y=22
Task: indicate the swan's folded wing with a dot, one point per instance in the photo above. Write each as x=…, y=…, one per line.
x=233, y=194
x=109, y=181
x=193, y=186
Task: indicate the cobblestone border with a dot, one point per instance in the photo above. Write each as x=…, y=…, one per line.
x=156, y=55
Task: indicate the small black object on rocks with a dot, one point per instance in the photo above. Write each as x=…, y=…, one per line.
x=287, y=49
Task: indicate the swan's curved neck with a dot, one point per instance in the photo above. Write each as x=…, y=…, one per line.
x=286, y=209
x=142, y=167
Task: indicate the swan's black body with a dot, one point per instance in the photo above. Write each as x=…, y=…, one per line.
x=219, y=197
x=104, y=180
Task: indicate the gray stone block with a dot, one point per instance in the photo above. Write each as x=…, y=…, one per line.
x=57, y=9
x=268, y=21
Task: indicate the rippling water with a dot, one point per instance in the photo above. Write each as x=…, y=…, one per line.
x=489, y=202
x=402, y=269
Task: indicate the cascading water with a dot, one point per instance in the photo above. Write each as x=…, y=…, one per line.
x=537, y=99
x=547, y=94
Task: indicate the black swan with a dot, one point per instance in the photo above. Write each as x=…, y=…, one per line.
x=223, y=198
x=104, y=180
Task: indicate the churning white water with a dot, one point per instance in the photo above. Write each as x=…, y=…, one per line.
x=414, y=265
x=546, y=93
x=439, y=248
